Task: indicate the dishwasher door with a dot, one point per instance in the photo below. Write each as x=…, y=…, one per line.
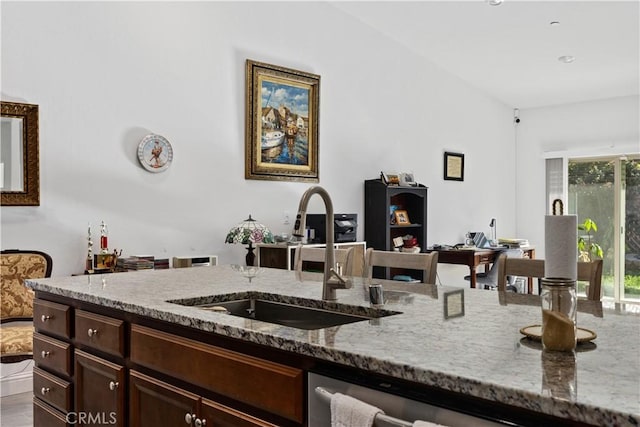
x=399, y=411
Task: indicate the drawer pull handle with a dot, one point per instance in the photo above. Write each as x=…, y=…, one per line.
x=45, y=317
x=45, y=390
x=188, y=418
x=92, y=332
x=113, y=385
x=200, y=423
x=45, y=353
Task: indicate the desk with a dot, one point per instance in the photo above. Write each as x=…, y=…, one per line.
x=281, y=255
x=473, y=258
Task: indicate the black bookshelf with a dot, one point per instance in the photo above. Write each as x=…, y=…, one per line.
x=379, y=231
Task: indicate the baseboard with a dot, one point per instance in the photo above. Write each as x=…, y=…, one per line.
x=16, y=378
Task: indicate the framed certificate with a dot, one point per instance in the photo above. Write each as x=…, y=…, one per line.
x=453, y=166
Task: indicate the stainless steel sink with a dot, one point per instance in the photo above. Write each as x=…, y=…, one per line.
x=295, y=314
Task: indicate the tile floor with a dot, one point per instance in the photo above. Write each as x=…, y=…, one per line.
x=17, y=410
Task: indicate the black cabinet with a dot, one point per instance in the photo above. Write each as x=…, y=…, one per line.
x=379, y=202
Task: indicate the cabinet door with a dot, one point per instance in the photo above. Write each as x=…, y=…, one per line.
x=273, y=257
x=100, y=391
x=153, y=403
x=217, y=415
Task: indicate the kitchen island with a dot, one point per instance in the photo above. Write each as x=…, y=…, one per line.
x=476, y=354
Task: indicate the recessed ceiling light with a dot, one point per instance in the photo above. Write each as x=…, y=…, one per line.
x=554, y=23
x=567, y=59
x=494, y=2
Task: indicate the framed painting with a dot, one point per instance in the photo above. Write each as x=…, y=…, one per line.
x=281, y=115
x=454, y=166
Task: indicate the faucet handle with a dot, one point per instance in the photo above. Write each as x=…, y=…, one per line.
x=337, y=275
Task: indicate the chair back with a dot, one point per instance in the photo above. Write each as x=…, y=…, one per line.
x=16, y=266
x=426, y=262
x=16, y=301
x=587, y=271
x=592, y=273
x=315, y=254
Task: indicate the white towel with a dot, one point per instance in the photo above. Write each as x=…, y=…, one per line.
x=419, y=423
x=349, y=412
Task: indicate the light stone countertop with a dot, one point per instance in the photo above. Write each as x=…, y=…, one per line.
x=481, y=353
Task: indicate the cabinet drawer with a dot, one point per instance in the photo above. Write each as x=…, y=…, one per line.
x=218, y=415
x=484, y=259
x=46, y=416
x=52, y=318
x=53, y=390
x=100, y=332
x=52, y=354
x=270, y=386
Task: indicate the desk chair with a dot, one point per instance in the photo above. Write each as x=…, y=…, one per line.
x=16, y=306
x=344, y=257
x=427, y=262
x=587, y=271
x=490, y=280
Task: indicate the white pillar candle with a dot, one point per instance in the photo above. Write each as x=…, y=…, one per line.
x=561, y=246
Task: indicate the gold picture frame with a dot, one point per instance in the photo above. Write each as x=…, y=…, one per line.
x=22, y=120
x=281, y=115
x=453, y=166
x=402, y=217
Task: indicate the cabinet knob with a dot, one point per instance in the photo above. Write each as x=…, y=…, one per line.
x=45, y=353
x=45, y=317
x=188, y=418
x=45, y=390
x=92, y=332
x=113, y=385
x=200, y=423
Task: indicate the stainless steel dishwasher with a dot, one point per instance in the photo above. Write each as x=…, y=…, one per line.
x=398, y=411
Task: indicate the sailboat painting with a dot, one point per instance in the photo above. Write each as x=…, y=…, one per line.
x=282, y=136
x=285, y=113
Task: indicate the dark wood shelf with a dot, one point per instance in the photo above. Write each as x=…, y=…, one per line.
x=379, y=232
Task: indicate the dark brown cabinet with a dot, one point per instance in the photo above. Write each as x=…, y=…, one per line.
x=96, y=367
x=154, y=402
x=53, y=357
x=380, y=200
x=100, y=390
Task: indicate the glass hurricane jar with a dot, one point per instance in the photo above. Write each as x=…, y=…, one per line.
x=559, y=308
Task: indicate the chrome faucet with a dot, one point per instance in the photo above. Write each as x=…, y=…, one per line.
x=332, y=280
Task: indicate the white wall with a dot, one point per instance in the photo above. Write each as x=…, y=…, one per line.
x=107, y=74
x=598, y=128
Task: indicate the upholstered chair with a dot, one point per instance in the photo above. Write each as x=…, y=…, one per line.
x=16, y=301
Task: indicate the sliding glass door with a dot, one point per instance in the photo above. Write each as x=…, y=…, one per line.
x=607, y=191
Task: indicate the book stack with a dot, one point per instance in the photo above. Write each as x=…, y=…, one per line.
x=135, y=263
x=513, y=243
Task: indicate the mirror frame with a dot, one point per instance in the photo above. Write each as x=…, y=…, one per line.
x=30, y=195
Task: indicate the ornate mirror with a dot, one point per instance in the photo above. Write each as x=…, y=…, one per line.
x=19, y=164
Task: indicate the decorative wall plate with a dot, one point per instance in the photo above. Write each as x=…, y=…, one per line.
x=155, y=153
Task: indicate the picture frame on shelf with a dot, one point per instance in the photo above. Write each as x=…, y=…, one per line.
x=407, y=180
x=402, y=217
x=453, y=166
x=390, y=178
x=281, y=123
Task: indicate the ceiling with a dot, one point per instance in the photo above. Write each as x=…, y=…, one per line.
x=511, y=51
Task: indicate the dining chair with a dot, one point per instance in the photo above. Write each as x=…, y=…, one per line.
x=344, y=257
x=16, y=301
x=590, y=272
x=425, y=262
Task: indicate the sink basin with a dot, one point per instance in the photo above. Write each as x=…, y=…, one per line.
x=293, y=312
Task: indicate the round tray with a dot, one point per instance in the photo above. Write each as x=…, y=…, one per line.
x=535, y=333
